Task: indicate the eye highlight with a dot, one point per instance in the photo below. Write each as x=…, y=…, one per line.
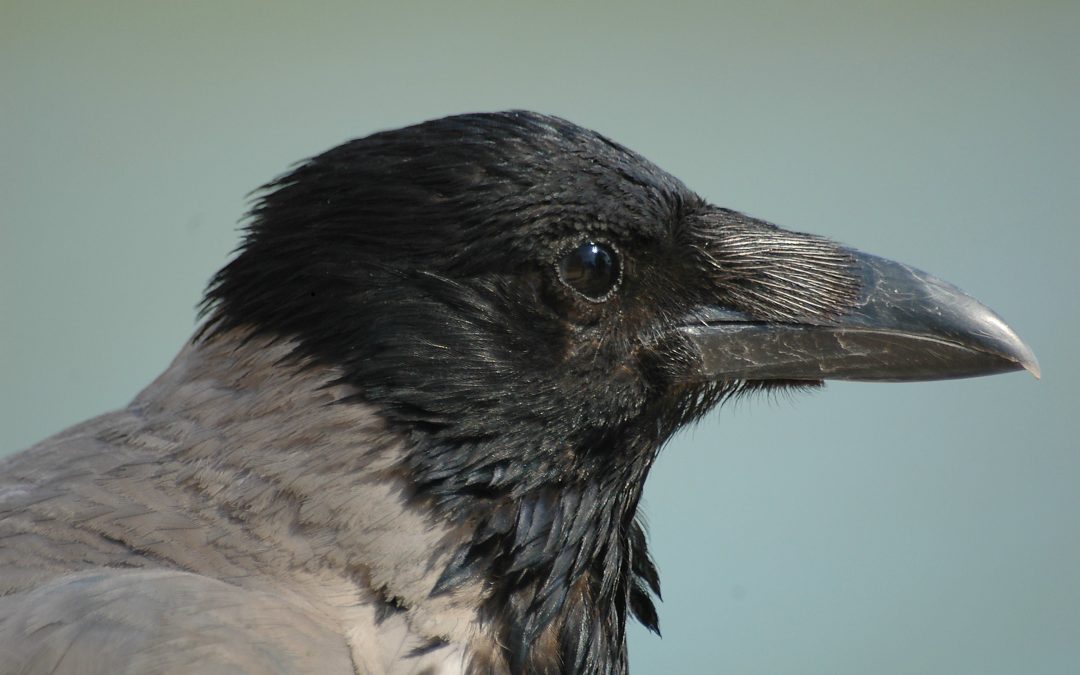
x=591, y=269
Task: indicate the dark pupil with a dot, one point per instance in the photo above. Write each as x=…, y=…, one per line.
x=591, y=269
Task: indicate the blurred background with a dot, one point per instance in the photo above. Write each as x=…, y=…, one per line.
x=919, y=528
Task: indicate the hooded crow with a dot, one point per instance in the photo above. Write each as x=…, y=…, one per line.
x=412, y=431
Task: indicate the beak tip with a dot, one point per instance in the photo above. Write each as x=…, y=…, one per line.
x=969, y=321
x=1011, y=347
x=1031, y=364
x=1024, y=359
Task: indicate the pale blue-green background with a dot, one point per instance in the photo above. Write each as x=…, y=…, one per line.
x=862, y=529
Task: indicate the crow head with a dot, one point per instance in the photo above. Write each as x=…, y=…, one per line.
x=538, y=309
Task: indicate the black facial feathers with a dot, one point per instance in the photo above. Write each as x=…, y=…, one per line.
x=425, y=264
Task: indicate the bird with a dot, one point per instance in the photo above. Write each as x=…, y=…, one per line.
x=412, y=427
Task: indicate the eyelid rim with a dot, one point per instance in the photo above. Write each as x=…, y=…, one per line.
x=619, y=267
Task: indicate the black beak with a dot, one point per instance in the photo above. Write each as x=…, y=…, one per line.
x=906, y=326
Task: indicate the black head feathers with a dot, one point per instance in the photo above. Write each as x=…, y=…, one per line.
x=537, y=309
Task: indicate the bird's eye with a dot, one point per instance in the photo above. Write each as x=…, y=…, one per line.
x=591, y=269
